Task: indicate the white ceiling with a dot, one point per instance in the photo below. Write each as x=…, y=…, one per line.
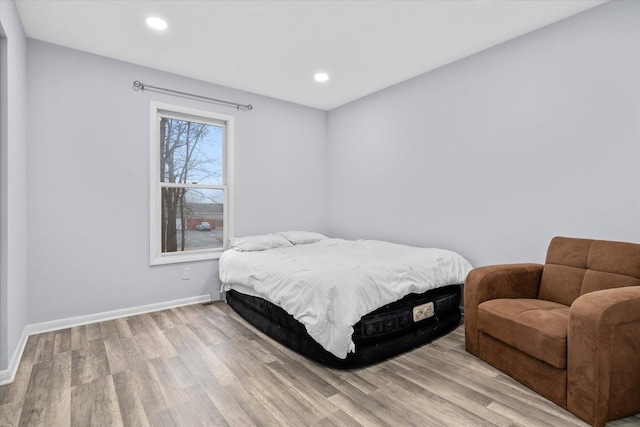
x=273, y=48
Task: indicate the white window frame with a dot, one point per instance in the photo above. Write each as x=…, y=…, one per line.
x=159, y=110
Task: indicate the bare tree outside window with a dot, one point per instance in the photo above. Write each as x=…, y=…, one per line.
x=191, y=189
x=191, y=168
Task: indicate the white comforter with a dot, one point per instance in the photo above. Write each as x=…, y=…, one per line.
x=329, y=285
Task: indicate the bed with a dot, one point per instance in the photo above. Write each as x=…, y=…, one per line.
x=343, y=303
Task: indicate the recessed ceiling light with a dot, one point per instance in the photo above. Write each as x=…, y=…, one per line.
x=156, y=23
x=321, y=77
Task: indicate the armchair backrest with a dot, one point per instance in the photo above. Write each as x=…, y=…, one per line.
x=577, y=266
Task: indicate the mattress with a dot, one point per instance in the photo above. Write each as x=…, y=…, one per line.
x=332, y=284
x=412, y=321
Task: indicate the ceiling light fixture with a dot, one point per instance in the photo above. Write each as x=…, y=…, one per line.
x=321, y=77
x=156, y=23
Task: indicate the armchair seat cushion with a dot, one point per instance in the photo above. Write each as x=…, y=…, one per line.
x=535, y=327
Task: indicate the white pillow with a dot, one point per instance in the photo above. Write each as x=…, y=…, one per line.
x=302, y=237
x=258, y=243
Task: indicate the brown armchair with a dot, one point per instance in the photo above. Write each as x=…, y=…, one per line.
x=568, y=329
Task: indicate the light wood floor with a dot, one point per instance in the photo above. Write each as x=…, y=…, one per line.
x=202, y=365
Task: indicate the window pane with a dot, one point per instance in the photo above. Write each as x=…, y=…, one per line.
x=191, y=219
x=190, y=152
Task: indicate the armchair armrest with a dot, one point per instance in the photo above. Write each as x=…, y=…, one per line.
x=492, y=282
x=603, y=355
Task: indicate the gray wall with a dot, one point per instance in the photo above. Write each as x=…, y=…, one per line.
x=88, y=181
x=13, y=200
x=495, y=154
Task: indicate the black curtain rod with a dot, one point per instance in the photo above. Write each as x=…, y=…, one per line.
x=244, y=107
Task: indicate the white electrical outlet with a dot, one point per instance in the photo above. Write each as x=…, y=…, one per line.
x=186, y=273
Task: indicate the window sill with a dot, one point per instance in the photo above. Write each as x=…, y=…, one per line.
x=186, y=257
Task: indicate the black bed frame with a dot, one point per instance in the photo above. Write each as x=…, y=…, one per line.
x=379, y=335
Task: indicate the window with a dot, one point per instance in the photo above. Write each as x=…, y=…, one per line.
x=191, y=194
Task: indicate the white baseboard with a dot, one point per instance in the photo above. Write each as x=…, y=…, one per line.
x=55, y=325
x=7, y=376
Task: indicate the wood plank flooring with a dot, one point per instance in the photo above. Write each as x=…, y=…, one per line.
x=202, y=365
